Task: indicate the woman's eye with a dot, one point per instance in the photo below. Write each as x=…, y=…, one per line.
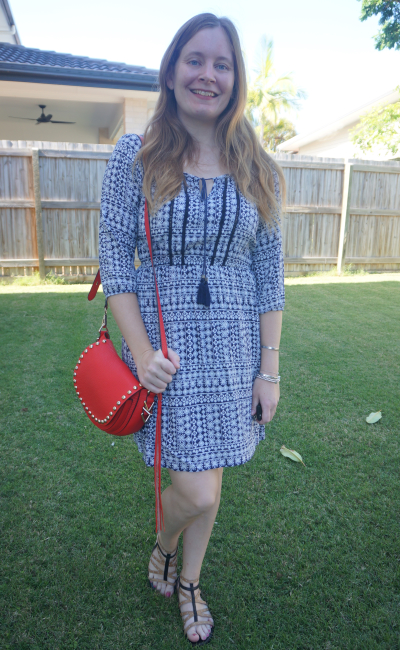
x=194, y=62
x=222, y=66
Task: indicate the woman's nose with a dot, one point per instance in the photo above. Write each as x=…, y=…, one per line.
x=208, y=74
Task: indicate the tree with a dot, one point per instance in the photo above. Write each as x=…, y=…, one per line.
x=269, y=96
x=379, y=128
x=389, y=10
x=278, y=132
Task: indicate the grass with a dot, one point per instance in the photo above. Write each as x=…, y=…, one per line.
x=301, y=558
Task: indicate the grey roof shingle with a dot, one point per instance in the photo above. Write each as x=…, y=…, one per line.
x=31, y=56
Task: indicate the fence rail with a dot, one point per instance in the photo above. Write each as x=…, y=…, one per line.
x=338, y=212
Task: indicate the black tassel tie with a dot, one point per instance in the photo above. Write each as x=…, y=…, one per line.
x=203, y=292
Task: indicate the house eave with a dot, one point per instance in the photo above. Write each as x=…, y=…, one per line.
x=10, y=18
x=293, y=145
x=67, y=77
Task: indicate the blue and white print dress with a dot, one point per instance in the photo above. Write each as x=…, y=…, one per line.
x=206, y=409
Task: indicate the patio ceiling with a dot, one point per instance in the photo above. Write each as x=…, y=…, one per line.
x=90, y=108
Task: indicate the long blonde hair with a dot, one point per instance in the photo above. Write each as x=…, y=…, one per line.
x=167, y=144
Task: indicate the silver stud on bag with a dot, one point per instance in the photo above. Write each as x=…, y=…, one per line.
x=75, y=380
x=134, y=388
x=79, y=361
x=90, y=412
x=123, y=396
x=76, y=367
x=110, y=412
x=81, y=398
x=118, y=403
x=104, y=341
x=85, y=351
x=87, y=408
x=114, y=408
x=91, y=346
x=108, y=417
x=83, y=404
x=74, y=374
x=97, y=343
x=81, y=356
x=129, y=392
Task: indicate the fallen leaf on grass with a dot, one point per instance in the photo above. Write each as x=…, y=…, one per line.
x=374, y=417
x=293, y=455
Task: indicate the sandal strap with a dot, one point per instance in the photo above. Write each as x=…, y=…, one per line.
x=194, y=600
x=160, y=566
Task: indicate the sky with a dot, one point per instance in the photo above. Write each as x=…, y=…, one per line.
x=323, y=43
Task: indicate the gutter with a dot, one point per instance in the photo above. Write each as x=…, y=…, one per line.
x=11, y=22
x=72, y=77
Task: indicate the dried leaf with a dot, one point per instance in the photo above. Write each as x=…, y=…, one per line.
x=293, y=455
x=374, y=417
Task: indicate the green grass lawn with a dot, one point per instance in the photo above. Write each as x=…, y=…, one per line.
x=301, y=558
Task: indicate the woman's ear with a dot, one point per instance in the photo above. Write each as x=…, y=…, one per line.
x=170, y=80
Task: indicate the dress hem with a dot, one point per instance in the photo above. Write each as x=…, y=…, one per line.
x=185, y=466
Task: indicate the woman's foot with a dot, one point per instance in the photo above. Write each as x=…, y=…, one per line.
x=197, y=621
x=162, y=569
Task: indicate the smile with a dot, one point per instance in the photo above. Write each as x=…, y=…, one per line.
x=204, y=93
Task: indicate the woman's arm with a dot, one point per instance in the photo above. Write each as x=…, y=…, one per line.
x=154, y=370
x=265, y=392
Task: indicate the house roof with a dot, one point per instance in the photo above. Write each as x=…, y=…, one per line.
x=18, y=63
x=345, y=121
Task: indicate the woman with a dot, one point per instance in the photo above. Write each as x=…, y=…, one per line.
x=213, y=196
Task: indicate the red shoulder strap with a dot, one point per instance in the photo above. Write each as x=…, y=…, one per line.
x=97, y=281
x=164, y=348
x=95, y=286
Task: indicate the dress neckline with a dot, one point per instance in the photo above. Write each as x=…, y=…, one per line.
x=198, y=178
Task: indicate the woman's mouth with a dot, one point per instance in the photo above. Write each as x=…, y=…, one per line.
x=204, y=93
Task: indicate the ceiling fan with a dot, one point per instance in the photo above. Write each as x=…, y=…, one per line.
x=42, y=119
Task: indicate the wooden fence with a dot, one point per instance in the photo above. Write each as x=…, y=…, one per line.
x=338, y=212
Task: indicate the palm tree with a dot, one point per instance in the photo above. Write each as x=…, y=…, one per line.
x=269, y=95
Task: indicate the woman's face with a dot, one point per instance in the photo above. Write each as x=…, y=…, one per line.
x=204, y=76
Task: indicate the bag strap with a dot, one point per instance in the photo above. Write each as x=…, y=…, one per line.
x=97, y=281
x=164, y=349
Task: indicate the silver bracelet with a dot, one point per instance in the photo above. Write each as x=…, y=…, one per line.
x=269, y=347
x=274, y=380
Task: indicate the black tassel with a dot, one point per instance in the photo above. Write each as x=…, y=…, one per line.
x=203, y=293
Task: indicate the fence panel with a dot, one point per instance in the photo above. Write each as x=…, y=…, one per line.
x=327, y=221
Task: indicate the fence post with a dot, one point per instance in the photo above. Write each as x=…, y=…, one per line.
x=345, y=215
x=38, y=211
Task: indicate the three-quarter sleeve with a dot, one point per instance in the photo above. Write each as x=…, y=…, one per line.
x=267, y=263
x=120, y=199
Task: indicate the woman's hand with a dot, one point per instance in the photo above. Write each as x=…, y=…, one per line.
x=155, y=371
x=267, y=394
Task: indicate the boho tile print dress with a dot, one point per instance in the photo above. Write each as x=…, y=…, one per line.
x=206, y=414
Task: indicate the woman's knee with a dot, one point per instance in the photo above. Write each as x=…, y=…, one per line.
x=199, y=492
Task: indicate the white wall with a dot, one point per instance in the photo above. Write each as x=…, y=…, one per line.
x=53, y=132
x=339, y=145
x=6, y=34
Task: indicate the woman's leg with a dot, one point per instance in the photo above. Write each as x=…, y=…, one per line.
x=190, y=504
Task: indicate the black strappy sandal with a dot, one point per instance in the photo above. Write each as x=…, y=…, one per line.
x=193, y=600
x=163, y=566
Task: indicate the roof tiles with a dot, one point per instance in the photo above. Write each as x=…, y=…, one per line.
x=31, y=56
